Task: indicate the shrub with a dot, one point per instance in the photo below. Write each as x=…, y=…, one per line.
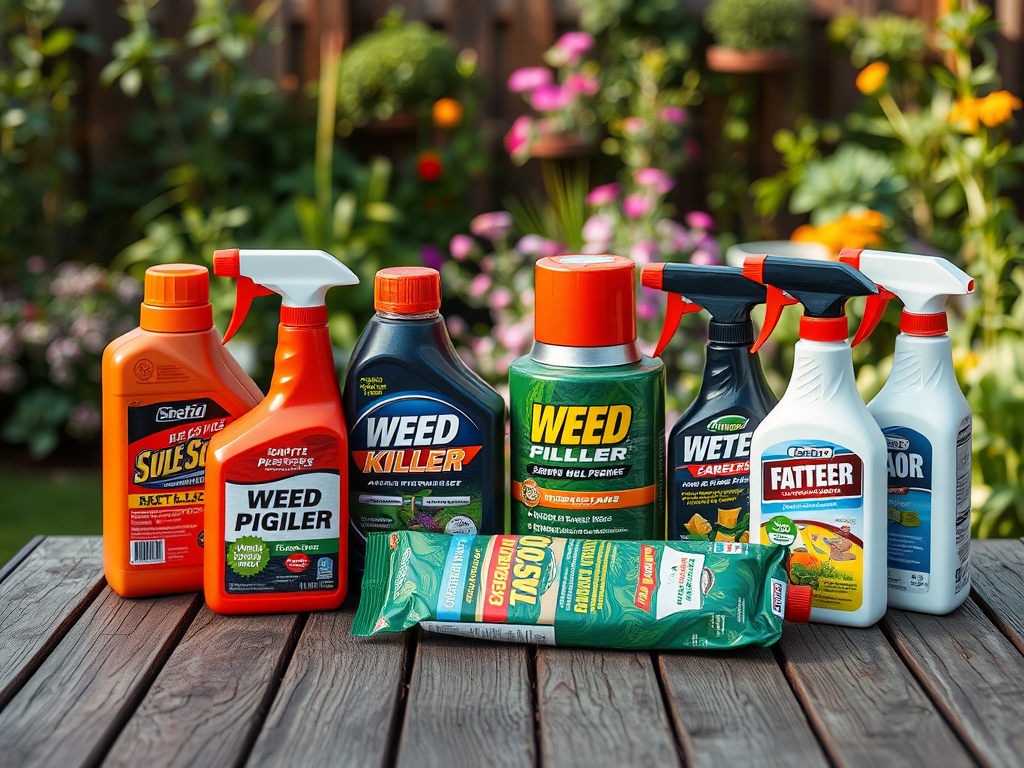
x=755, y=25
x=402, y=66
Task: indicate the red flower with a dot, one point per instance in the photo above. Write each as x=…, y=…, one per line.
x=429, y=166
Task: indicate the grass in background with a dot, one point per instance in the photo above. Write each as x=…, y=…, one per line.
x=49, y=502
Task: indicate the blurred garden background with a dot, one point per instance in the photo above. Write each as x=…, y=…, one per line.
x=474, y=136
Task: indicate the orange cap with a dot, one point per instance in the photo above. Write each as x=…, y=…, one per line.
x=176, y=299
x=585, y=301
x=407, y=290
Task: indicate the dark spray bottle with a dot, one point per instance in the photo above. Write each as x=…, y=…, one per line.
x=708, y=475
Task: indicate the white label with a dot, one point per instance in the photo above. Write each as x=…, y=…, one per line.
x=679, y=583
x=299, y=507
x=779, y=598
x=506, y=633
x=963, y=505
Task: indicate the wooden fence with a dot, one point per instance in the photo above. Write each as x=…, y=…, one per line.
x=507, y=34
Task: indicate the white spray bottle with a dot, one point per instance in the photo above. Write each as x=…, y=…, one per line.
x=817, y=461
x=927, y=426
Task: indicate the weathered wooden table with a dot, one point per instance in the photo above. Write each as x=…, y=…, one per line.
x=89, y=678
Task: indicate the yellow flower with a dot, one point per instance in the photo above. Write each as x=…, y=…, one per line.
x=872, y=77
x=965, y=110
x=851, y=230
x=996, y=108
x=447, y=113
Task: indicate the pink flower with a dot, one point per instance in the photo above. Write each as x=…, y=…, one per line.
x=634, y=124
x=550, y=98
x=644, y=252
x=501, y=298
x=479, y=286
x=35, y=265
x=645, y=308
x=636, y=206
x=575, y=43
x=457, y=326
x=518, y=136
x=577, y=82
x=604, y=194
x=528, y=79
x=655, y=179
x=704, y=258
x=598, y=230
x=460, y=247
x=699, y=220
x=492, y=226
x=675, y=236
x=539, y=247
x=675, y=115
x=431, y=256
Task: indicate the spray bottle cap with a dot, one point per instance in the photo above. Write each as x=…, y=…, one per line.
x=723, y=291
x=301, y=278
x=407, y=290
x=922, y=283
x=823, y=287
x=798, y=603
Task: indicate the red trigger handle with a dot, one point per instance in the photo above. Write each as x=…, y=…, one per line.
x=673, y=314
x=873, y=311
x=777, y=300
x=245, y=291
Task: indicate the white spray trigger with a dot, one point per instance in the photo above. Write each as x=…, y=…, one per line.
x=922, y=283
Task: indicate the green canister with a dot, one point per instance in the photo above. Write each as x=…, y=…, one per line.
x=588, y=409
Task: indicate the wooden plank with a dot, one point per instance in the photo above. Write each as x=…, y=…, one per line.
x=208, y=702
x=41, y=599
x=470, y=703
x=973, y=673
x=354, y=685
x=997, y=582
x=8, y=568
x=74, y=706
x=737, y=709
x=864, y=704
x=601, y=708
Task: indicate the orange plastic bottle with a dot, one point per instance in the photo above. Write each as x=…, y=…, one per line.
x=277, y=479
x=168, y=387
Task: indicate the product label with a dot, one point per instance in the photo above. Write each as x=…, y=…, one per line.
x=415, y=464
x=283, y=516
x=587, y=455
x=962, y=578
x=711, y=477
x=910, y=509
x=812, y=501
x=167, y=445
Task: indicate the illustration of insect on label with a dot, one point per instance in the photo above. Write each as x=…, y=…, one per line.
x=556, y=591
x=281, y=516
x=910, y=509
x=712, y=481
x=413, y=466
x=812, y=501
x=167, y=445
x=587, y=456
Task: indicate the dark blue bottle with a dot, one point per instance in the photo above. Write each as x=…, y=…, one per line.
x=426, y=434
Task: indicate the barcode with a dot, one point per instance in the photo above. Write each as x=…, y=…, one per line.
x=147, y=552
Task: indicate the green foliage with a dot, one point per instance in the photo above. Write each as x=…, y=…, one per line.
x=559, y=213
x=37, y=171
x=756, y=25
x=403, y=66
x=852, y=178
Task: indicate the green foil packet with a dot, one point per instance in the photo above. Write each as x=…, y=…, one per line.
x=583, y=592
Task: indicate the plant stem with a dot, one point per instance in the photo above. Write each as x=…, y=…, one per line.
x=327, y=102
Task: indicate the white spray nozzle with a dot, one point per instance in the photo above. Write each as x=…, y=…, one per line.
x=922, y=283
x=301, y=277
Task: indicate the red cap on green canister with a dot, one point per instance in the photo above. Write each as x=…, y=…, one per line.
x=585, y=301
